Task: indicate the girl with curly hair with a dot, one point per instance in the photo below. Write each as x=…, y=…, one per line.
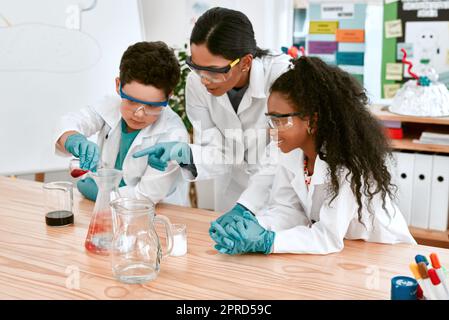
x=332, y=182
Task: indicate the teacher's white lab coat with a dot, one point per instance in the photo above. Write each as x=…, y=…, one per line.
x=142, y=181
x=218, y=129
x=305, y=222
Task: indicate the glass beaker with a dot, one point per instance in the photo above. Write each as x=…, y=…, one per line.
x=58, y=197
x=75, y=169
x=99, y=235
x=179, y=231
x=136, y=249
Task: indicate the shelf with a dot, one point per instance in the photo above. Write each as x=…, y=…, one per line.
x=412, y=128
x=382, y=113
x=430, y=237
x=408, y=144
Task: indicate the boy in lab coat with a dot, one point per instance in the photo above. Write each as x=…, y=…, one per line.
x=136, y=117
x=332, y=182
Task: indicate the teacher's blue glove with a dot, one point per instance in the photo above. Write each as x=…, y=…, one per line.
x=87, y=151
x=88, y=188
x=252, y=237
x=161, y=153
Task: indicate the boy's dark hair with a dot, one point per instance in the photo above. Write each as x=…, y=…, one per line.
x=150, y=63
x=227, y=33
x=347, y=135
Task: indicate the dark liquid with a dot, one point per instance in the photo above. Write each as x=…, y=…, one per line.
x=59, y=218
x=75, y=173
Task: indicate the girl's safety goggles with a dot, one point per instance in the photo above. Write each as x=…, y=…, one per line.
x=281, y=121
x=149, y=108
x=212, y=74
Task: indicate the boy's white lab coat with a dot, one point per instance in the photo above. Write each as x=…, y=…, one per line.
x=141, y=180
x=218, y=129
x=305, y=222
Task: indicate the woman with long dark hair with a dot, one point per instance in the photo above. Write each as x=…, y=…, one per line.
x=226, y=96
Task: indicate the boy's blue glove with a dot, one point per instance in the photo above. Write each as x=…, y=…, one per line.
x=87, y=151
x=252, y=237
x=88, y=188
x=161, y=153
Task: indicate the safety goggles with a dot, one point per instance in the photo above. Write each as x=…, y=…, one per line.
x=281, y=121
x=212, y=74
x=149, y=108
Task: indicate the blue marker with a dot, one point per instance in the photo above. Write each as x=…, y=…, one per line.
x=420, y=258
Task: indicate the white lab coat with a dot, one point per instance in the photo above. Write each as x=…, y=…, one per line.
x=142, y=181
x=236, y=178
x=293, y=208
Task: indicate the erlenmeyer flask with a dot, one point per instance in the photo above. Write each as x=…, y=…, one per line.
x=99, y=235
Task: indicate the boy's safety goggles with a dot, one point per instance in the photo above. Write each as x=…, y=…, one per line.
x=281, y=121
x=212, y=74
x=149, y=108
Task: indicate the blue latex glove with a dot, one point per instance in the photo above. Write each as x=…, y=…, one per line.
x=161, y=153
x=237, y=210
x=224, y=223
x=252, y=237
x=87, y=151
x=88, y=188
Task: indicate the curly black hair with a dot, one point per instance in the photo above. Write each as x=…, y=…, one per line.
x=347, y=135
x=150, y=63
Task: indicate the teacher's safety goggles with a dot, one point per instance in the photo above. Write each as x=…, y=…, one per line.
x=212, y=74
x=281, y=121
x=149, y=108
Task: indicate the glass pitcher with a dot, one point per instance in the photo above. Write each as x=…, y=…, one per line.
x=136, y=249
x=99, y=235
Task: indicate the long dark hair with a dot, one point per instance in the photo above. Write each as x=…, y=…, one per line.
x=347, y=135
x=227, y=33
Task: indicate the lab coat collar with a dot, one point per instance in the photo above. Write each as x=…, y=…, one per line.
x=319, y=171
x=256, y=88
x=257, y=79
x=294, y=160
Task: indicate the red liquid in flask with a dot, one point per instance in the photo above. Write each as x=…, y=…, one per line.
x=99, y=235
x=75, y=173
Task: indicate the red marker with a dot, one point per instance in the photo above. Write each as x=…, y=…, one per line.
x=437, y=288
x=439, y=271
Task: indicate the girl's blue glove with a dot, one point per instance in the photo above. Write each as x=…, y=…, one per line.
x=237, y=210
x=88, y=188
x=242, y=236
x=87, y=151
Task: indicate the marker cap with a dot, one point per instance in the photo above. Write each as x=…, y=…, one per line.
x=435, y=261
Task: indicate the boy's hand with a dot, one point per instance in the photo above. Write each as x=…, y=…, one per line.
x=87, y=151
x=161, y=153
x=88, y=188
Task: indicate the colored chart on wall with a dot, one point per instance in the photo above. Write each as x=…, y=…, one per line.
x=337, y=35
x=422, y=29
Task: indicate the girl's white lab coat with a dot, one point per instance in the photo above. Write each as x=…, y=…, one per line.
x=218, y=129
x=305, y=222
x=141, y=180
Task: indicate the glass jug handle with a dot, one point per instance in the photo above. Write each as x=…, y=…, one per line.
x=166, y=222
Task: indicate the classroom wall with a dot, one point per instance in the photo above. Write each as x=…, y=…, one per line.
x=169, y=20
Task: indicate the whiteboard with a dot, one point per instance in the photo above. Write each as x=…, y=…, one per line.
x=56, y=56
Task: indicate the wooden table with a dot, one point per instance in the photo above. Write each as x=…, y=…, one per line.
x=40, y=262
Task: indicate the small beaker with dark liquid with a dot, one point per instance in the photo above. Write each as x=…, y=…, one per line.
x=58, y=197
